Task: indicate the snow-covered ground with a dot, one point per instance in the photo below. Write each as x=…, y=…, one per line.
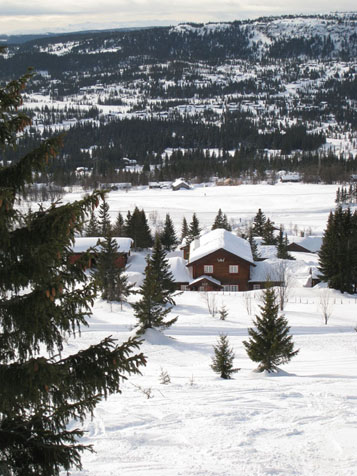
x=300, y=422
x=304, y=205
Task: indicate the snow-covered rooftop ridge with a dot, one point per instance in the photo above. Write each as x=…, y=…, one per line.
x=220, y=239
x=82, y=244
x=179, y=270
x=311, y=243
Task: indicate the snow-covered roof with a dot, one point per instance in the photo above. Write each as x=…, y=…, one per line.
x=82, y=244
x=220, y=239
x=267, y=251
x=179, y=270
x=264, y=271
x=204, y=276
x=311, y=243
x=180, y=182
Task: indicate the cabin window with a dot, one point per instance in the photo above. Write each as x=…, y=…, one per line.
x=233, y=268
x=256, y=286
x=231, y=287
x=208, y=268
x=183, y=287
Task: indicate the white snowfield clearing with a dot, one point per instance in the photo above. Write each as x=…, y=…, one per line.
x=302, y=421
x=290, y=204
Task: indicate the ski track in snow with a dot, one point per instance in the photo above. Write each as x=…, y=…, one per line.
x=300, y=422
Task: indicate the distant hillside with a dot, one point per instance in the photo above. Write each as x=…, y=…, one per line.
x=315, y=37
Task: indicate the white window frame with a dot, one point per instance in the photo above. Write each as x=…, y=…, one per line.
x=208, y=268
x=234, y=268
x=184, y=287
x=256, y=286
x=233, y=288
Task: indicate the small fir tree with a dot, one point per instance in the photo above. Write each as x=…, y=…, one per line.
x=118, y=229
x=149, y=312
x=221, y=221
x=223, y=313
x=164, y=279
x=104, y=219
x=45, y=299
x=270, y=343
x=194, y=229
x=106, y=268
x=282, y=246
x=92, y=228
x=168, y=235
x=222, y=362
x=184, y=229
x=259, y=223
x=253, y=245
x=123, y=288
x=268, y=233
x=137, y=228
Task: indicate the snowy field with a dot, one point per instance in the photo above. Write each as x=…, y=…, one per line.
x=302, y=421
x=304, y=205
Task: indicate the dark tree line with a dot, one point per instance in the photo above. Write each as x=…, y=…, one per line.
x=338, y=253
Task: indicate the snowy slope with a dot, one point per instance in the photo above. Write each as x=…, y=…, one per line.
x=301, y=422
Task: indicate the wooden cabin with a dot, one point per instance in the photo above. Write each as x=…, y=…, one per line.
x=220, y=260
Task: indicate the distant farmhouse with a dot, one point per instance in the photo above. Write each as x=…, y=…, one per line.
x=180, y=184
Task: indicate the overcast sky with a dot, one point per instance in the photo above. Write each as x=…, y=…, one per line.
x=35, y=16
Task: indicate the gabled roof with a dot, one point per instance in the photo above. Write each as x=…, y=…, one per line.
x=310, y=243
x=220, y=239
x=208, y=278
x=82, y=244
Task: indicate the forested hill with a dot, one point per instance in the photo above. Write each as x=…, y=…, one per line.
x=323, y=36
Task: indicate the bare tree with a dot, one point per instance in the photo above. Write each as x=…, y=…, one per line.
x=248, y=303
x=210, y=300
x=281, y=274
x=326, y=305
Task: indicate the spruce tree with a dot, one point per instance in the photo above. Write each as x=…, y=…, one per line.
x=222, y=362
x=92, y=228
x=104, y=219
x=270, y=343
x=137, y=228
x=223, y=313
x=194, y=229
x=338, y=253
x=168, y=235
x=259, y=223
x=118, y=229
x=45, y=300
x=122, y=288
x=106, y=268
x=221, y=221
x=282, y=246
x=149, y=311
x=165, y=285
x=184, y=229
x=268, y=233
x=253, y=245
